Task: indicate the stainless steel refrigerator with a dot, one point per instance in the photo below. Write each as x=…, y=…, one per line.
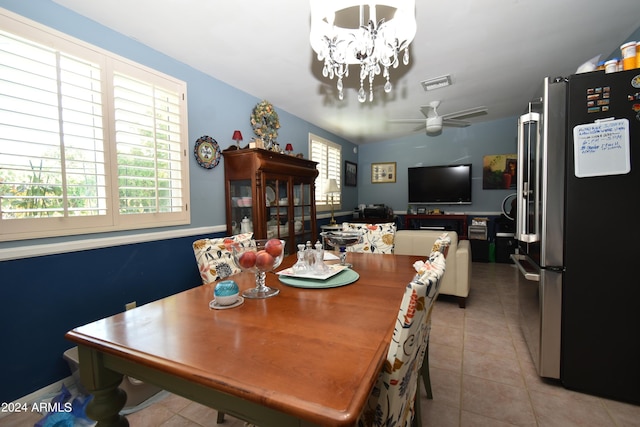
x=578, y=234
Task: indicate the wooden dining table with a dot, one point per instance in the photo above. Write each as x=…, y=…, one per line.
x=305, y=357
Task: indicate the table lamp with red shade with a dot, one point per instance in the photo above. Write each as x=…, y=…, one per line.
x=237, y=137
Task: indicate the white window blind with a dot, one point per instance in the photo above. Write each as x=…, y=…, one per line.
x=147, y=121
x=329, y=157
x=51, y=156
x=87, y=140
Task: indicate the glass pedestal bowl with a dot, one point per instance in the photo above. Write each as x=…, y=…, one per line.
x=259, y=257
x=341, y=240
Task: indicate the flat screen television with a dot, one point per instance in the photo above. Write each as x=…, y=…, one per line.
x=443, y=185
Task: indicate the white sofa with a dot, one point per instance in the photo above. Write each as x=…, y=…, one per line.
x=457, y=276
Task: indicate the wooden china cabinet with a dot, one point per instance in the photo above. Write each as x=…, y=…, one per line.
x=274, y=194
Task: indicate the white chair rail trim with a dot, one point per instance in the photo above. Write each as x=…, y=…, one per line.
x=30, y=251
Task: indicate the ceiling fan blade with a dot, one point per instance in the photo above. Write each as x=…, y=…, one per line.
x=405, y=120
x=476, y=111
x=455, y=123
x=423, y=122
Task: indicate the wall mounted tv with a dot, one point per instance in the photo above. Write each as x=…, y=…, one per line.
x=443, y=185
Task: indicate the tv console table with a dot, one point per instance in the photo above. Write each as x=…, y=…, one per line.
x=437, y=222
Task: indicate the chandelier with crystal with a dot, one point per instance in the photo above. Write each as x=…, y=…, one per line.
x=341, y=37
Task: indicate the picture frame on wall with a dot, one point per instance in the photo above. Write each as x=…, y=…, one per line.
x=382, y=173
x=499, y=171
x=350, y=174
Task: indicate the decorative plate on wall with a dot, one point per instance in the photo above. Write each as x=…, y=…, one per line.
x=207, y=152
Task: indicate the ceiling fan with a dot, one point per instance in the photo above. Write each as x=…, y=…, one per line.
x=434, y=122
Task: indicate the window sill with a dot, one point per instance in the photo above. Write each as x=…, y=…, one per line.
x=30, y=251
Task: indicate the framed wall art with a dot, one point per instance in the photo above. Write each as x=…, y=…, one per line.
x=382, y=173
x=499, y=171
x=350, y=174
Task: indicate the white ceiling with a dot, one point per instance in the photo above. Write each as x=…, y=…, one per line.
x=496, y=51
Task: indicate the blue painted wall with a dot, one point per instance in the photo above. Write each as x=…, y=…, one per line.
x=452, y=146
x=47, y=296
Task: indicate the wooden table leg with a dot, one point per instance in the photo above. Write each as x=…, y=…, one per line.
x=103, y=384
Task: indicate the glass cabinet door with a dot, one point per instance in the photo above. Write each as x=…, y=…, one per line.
x=276, y=195
x=241, y=206
x=289, y=211
x=302, y=212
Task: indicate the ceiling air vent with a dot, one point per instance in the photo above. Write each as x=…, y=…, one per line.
x=436, y=83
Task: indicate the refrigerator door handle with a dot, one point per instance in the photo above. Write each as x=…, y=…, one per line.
x=527, y=267
x=525, y=188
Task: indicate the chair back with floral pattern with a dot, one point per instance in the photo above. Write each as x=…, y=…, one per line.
x=434, y=271
x=392, y=400
x=215, y=258
x=376, y=239
x=442, y=244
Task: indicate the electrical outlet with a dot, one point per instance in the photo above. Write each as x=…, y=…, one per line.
x=130, y=305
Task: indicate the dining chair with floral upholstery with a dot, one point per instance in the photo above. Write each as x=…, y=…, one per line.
x=215, y=261
x=376, y=238
x=214, y=257
x=392, y=401
x=435, y=262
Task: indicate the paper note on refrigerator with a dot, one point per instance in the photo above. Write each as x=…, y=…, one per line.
x=602, y=148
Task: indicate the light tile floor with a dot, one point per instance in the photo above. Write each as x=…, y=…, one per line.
x=481, y=373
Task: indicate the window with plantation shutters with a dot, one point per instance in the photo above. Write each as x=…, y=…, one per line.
x=329, y=157
x=89, y=141
x=51, y=133
x=148, y=146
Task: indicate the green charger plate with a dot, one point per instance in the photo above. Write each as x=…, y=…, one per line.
x=345, y=277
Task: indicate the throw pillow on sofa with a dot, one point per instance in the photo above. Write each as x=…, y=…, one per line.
x=377, y=238
x=215, y=258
